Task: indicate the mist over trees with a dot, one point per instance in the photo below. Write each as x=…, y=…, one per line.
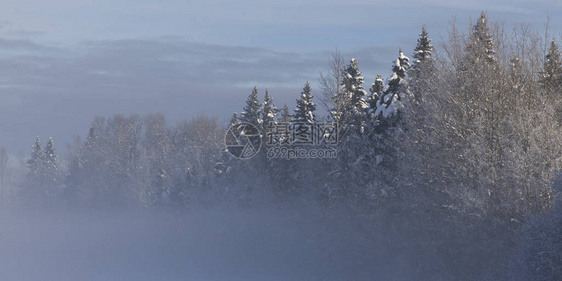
x=452, y=159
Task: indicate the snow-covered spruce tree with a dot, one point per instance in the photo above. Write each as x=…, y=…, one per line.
x=234, y=119
x=284, y=119
x=421, y=115
x=478, y=73
x=251, y=112
x=354, y=113
x=85, y=166
x=51, y=155
x=42, y=182
x=284, y=173
x=52, y=168
x=296, y=172
x=389, y=125
x=477, y=89
x=33, y=186
x=257, y=168
x=35, y=164
x=372, y=137
x=551, y=78
x=416, y=143
x=350, y=170
x=285, y=115
x=423, y=68
x=268, y=111
x=92, y=134
x=483, y=45
x=376, y=92
x=390, y=103
x=423, y=51
x=305, y=106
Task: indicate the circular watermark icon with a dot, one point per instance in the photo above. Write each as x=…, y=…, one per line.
x=243, y=140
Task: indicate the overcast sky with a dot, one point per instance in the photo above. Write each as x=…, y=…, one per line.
x=66, y=61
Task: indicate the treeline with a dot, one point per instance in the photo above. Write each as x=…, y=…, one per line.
x=461, y=142
x=127, y=161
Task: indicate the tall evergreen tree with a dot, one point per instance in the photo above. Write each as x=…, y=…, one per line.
x=51, y=158
x=251, y=113
x=91, y=140
x=376, y=92
x=389, y=113
x=305, y=106
x=524, y=98
x=354, y=104
x=285, y=115
x=268, y=110
x=43, y=179
x=51, y=181
x=35, y=164
x=551, y=76
x=424, y=49
x=34, y=184
x=482, y=43
x=421, y=74
x=234, y=119
x=390, y=102
x=478, y=80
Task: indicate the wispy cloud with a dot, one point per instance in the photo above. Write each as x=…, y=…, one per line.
x=51, y=92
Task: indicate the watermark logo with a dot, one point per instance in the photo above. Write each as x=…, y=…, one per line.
x=297, y=152
x=301, y=140
x=243, y=140
x=301, y=133
x=285, y=140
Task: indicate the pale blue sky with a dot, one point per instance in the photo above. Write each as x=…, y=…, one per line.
x=64, y=62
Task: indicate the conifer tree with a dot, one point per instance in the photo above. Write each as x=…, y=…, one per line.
x=35, y=164
x=482, y=45
x=234, y=119
x=376, y=92
x=424, y=49
x=35, y=181
x=389, y=113
x=354, y=104
x=390, y=102
x=268, y=110
x=251, y=113
x=305, y=106
x=51, y=168
x=422, y=73
x=285, y=115
x=44, y=171
x=478, y=75
x=551, y=76
x=92, y=134
x=51, y=157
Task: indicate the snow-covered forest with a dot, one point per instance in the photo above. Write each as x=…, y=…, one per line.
x=446, y=170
